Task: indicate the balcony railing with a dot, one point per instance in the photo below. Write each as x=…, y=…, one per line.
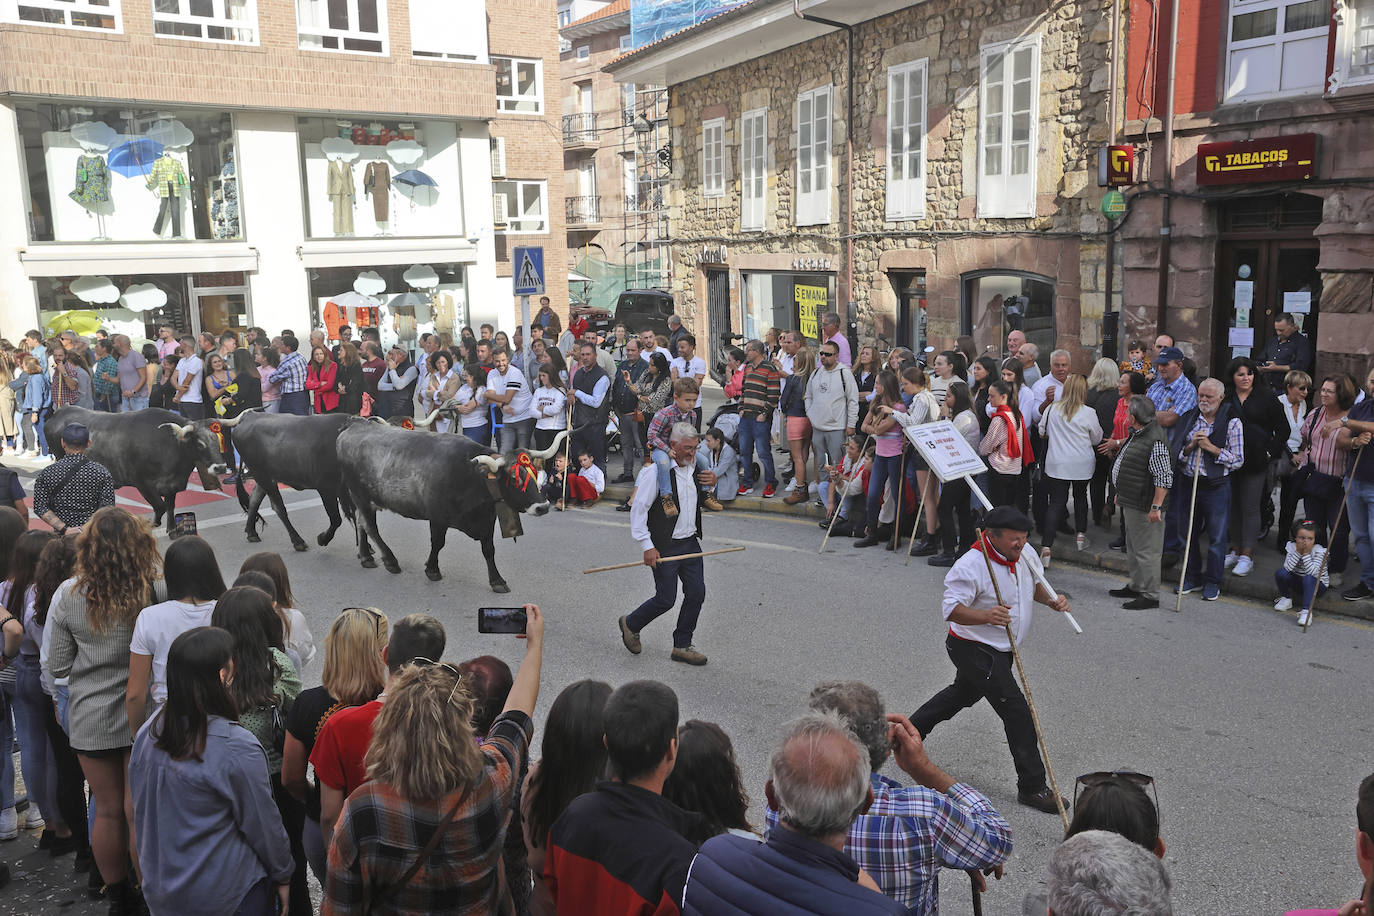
x=579, y=129
x=582, y=211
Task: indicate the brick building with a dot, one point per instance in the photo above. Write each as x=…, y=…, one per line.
x=971, y=168
x=1278, y=216
x=258, y=162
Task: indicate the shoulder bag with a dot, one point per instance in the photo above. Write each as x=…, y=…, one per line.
x=372, y=898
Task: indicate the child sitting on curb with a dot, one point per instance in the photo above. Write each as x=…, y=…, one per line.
x=1297, y=578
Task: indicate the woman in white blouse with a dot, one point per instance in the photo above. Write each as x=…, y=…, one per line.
x=550, y=407
x=1072, y=431
x=471, y=401
x=1296, y=385
x=442, y=385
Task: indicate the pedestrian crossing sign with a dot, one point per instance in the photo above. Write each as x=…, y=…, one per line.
x=529, y=271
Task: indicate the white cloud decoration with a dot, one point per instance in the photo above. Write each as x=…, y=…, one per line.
x=171, y=134
x=143, y=297
x=369, y=283
x=95, y=289
x=405, y=153
x=95, y=135
x=339, y=148
x=421, y=276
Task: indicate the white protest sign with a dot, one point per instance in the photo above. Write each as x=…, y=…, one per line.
x=945, y=449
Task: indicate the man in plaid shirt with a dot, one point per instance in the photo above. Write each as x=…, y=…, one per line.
x=911, y=832
x=290, y=378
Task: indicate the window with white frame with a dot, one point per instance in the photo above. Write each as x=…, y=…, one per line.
x=68, y=14
x=526, y=211
x=627, y=43
x=519, y=85
x=446, y=30
x=813, y=157
x=627, y=167
x=1361, y=41
x=906, y=141
x=207, y=20
x=583, y=52
x=627, y=101
x=1276, y=48
x=713, y=158
x=1008, y=113
x=564, y=17
x=353, y=26
x=753, y=155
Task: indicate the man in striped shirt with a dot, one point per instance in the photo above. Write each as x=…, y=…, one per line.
x=758, y=399
x=290, y=378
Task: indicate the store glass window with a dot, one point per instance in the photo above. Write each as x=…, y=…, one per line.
x=134, y=304
x=400, y=301
x=519, y=85
x=126, y=175
x=995, y=303
x=207, y=20
x=787, y=301
x=367, y=178
x=69, y=14
x=356, y=26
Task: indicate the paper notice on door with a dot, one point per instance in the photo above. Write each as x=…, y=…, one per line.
x=1297, y=303
x=1242, y=318
x=1240, y=337
x=1245, y=293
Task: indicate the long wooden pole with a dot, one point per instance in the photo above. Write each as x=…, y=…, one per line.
x=1025, y=684
x=685, y=556
x=1192, y=517
x=1330, y=536
x=567, y=450
x=901, y=499
x=977, y=894
x=920, y=507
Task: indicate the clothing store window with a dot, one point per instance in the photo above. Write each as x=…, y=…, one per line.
x=355, y=26
x=448, y=30
x=400, y=311
x=69, y=14
x=995, y=303
x=367, y=179
x=136, y=304
x=126, y=175
x=526, y=211
x=519, y=85
x=207, y=20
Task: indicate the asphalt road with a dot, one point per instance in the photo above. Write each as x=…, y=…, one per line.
x=1256, y=734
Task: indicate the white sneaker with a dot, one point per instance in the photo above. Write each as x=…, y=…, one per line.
x=1243, y=566
x=1304, y=617
x=791, y=486
x=813, y=488
x=1231, y=559
x=1283, y=604
x=33, y=820
x=9, y=824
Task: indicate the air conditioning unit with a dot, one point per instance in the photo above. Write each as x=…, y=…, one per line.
x=498, y=157
x=498, y=210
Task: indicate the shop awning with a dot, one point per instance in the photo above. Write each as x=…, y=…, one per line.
x=137, y=258
x=377, y=252
x=575, y=277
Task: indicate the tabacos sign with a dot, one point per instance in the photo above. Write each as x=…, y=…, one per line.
x=1292, y=158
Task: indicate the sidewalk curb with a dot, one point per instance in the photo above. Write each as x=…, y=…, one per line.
x=1255, y=587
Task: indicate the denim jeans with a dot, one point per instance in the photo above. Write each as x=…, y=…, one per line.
x=1213, y=519
x=35, y=752
x=664, y=464
x=886, y=471
x=129, y=405
x=1359, y=508
x=7, y=692
x=295, y=402
x=755, y=434
x=272, y=406
x=1303, y=589
x=517, y=434
x=631, y=446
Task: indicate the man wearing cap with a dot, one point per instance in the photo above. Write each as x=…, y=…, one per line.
x=979, y=647
x=68, y=492
x=1173, y=396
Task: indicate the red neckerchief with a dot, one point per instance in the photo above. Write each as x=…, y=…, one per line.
x=984, y=546
x=1016, y=444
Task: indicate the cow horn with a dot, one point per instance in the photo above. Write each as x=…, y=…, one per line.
x=230, y=424
x=181, y=432
x=549, y=452
x=381, y=420
x=491, y=462
x=428, y=421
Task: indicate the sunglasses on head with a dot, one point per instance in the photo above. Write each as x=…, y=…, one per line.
x=423, y=662
x=378, y=618
x=1093, y=780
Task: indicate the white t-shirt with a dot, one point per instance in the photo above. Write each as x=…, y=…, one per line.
x=477, y=417
x=551, y=409
x=785, y=361
x=515, y=380
x=593, y=476
x=299, y=640
x=193, y=367
x=157, y=627
x=691, y=370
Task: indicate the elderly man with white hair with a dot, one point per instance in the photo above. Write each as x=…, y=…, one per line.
x=1209, y=444
x=663, y=537
x=818, y=783
x=1096, y=872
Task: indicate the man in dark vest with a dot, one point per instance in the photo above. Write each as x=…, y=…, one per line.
x=1208, y=442
x=664, y=538
x=1142, y=475
x=592, y=388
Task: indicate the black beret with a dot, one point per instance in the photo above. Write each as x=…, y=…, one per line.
x=1007, y=517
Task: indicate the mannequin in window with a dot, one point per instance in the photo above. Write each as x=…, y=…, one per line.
x=340, y=191
x=92, y=188
x=377, y=184
x=168, y=181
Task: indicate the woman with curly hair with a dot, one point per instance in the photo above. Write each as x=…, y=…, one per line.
x=706, y=779
x=92, y=627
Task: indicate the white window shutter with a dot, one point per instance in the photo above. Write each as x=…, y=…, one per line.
x=1008, y=128
x=499, y=216
x=498, y=157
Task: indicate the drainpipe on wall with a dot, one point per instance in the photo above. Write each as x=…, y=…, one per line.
x=1114, y=53
x=1166, y=226
x=851, y=322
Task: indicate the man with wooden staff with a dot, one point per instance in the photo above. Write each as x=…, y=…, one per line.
x=979, y=647
x=664, y=537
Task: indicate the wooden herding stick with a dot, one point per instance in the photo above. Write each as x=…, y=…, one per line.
x=685, y=556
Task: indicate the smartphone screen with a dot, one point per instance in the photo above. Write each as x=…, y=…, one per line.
x=183, y=523
x=501, y=620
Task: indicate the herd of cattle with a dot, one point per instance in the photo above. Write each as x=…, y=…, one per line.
x=356, y=464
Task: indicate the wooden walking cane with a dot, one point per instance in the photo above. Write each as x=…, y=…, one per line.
x=1025, y=684
x=685, y=556
x=1187, y=545
x=1326, y=555
x=920, y=507
x=833, y=518
x=977, y=895
x=567, y=454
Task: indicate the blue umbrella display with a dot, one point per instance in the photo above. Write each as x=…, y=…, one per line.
x=135, y=157
x=418, y=186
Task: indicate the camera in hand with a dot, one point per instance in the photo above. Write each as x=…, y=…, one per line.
x=501, y=620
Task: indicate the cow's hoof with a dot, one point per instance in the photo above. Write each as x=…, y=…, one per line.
x=254, y=539
x=433, y=574
x=301, y=546
x=368, y=563
x=500, y=588
x=392, y=567
x=324, y=538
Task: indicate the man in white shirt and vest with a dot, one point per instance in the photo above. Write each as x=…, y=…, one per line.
x=663, y=538
x=977, y=643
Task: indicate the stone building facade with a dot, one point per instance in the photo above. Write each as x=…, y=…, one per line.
x=939, y=242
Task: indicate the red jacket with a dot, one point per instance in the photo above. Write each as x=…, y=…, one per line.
x=322, y=383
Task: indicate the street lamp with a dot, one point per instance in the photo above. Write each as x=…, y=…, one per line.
x=642, y=125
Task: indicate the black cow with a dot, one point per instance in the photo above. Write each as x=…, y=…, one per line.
x=152, y=450
x=296, y=451
x=445, y=479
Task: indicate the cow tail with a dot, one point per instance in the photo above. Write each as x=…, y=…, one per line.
x=346, y=504
x=240, y=490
